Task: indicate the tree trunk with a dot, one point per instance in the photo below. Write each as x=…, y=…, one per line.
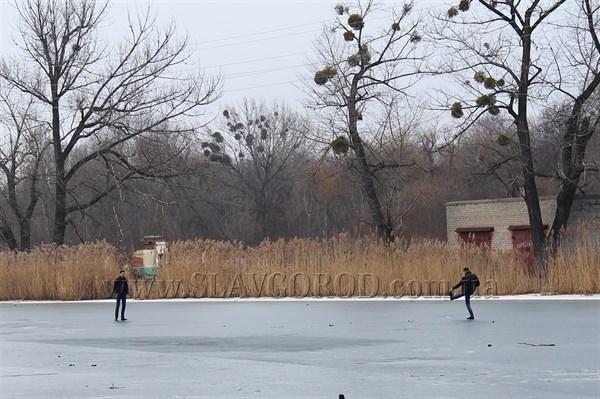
x=60, y=185
x=60, y=214
x=25, y=221
x=25, y=232
x=564, y=202
x=7, y=235
x=572, y=164
x=531, y=193
x=532, y=201
x=384, y=228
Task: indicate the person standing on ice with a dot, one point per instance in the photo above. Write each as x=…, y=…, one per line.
x=468, y=284
x=121, y=289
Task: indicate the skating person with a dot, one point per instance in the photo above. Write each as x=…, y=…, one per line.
x=121, y=288
x=468, y=284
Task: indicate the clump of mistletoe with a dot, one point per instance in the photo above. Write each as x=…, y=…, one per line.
x=246, y=138
x=487, y=100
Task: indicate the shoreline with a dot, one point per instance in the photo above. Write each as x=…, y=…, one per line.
x=543, y=297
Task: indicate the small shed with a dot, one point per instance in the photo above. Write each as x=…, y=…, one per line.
x=147, y=261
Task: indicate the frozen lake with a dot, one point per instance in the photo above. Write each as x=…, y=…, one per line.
x=530, y=348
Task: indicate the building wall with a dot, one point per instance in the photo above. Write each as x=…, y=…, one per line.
x=502, y=213
x=496, y=213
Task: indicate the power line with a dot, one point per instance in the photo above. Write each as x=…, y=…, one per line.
x=252, y=41
x=255, y=60
x=243, y=73
x=261, y=71
x=260, y=33
x=266, y=85
x=196, y=46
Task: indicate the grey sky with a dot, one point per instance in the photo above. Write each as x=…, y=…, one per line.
x=259, y=47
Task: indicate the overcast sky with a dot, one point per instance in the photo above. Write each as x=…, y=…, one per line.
x=259, y=47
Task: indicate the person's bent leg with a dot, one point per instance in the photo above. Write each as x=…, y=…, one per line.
x=453, y=297
x=468, y=304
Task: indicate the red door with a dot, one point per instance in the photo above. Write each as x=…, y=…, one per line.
x=480, y=237
x=523, y=246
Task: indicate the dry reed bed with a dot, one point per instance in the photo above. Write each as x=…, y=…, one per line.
x=58, y=273
x=341, y=266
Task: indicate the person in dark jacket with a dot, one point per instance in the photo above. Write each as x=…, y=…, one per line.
x=121, y=289
x=468, y=284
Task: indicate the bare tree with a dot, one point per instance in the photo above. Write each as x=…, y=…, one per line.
x=364, y=74
x=97, y=97
x=581, y=60
x=497, y=43
x=261, y=148
x=22, y=153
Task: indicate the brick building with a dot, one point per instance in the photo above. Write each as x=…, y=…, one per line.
x=504, y=223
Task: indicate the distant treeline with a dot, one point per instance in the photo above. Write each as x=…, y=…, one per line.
x=306, y=194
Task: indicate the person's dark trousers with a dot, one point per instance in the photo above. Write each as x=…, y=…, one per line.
x=121, y=299
x=467, y=302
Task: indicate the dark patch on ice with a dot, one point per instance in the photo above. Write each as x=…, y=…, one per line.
x=282, y=343
x=26, y=375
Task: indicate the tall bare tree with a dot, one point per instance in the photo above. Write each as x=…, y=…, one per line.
x=581, y=62
x=22, y=151
x=99, y=97
x=364, y=73
x=499, y=45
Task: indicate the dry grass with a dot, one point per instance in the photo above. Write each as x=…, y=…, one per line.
x=341, y=266
x=58, y=273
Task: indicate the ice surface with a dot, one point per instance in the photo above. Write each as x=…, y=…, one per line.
x=302, y=349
